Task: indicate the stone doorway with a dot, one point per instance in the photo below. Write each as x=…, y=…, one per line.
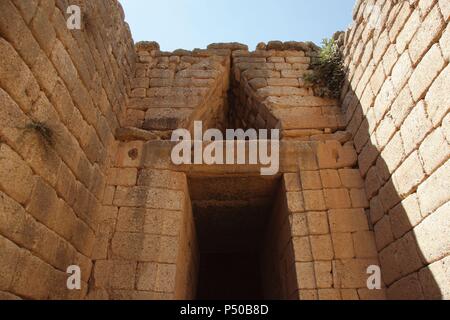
x=232, y=215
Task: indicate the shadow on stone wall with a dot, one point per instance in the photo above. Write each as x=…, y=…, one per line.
x=392, y=216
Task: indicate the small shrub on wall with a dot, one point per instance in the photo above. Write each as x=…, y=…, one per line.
x=328, y=70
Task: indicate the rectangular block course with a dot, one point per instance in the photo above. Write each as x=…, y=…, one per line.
x=409, y=175
x=156, y=277
x=427, y=70
x=347, y=220
x=434, y=151
x=16, y=177
x=149, y=221
x=122, y=177
x=436, y=99
x=146, y=248
x=417, y=125
x=429, y=199
x=429, y=29
x=351, y=273
x=150, y=198
x=429, y=235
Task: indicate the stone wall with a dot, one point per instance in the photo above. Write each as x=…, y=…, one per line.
x=318, y=244
x=271, y=92
x=396, y=102
x=329, y=236
x=171, y=90
x=62, y=96
x=152, y=244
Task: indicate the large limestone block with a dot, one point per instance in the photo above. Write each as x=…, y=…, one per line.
x=281, y=91
x=144, y=247
x=150, y=198
x=432, y=235
x=16, y=177
x=438, y=97
x=156, y=277
x=332, y=155
x=149, y=221
x=115, y=274
x=16, y=78
x=351, y=273
x=348, y=220
x=429, y=199
x=305, y=275
x=408, y=288
x=434, y=280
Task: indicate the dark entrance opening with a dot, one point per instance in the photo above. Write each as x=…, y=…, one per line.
x=229, y=276
x=231, y=216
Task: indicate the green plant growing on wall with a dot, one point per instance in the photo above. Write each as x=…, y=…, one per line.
x=328, y=70
x=42, y=130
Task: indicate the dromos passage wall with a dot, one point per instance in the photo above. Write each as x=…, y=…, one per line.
x=396, y=101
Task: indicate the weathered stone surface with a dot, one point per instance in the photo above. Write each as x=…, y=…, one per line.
x=429, y=29
x=437, y=100
x=426, y=72
x=295, y=202
x=337, y=198
x=352, y=273
x=409, y=175
x=430, y=278
x=115, y=274
x=314, y=200
x=405, y=216
x=417, y=125
x=322, y=248
x=310, y=180
x=302, y=249
x=149, y=198
x=146, y=248
x=348, y=220
x=444, y=43
x=332, y=155
x=281, y=91
x=324, y=275
x=292, y=182
x=330, y=178
x=343, y=245
x=434, y=151
x=156, y=277
x=132, y=133
x=364, y=243
x=429, y=233
x=407, y=288
x=305, y=275
x=383, y=232
x=122, y=177
x=16, y=177
x=149, y=221
x=429, y=199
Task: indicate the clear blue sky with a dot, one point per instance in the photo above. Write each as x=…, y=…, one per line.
x=190, y=24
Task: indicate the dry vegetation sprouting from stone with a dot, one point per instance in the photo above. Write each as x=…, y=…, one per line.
x=328, y=68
